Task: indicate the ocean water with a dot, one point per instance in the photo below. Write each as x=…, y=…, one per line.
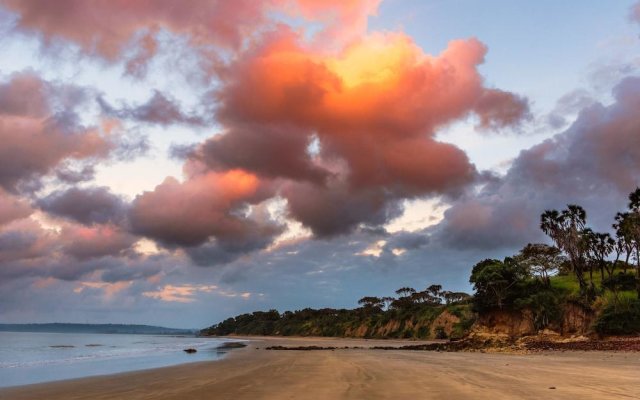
x=27, y=358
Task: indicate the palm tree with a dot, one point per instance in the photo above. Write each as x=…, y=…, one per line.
x=567, y=230
x=625, y=242
x=632, y=230
x=600, y=246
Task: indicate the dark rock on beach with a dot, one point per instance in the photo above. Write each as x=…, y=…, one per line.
x=190, y=351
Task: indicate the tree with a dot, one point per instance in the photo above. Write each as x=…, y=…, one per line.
x=406, y=299
x=628, y=230
x=495, y=282
x=435, y=291
x=622, y=245
x=542, y=260
x=600, y=246
x=371, y=303
x=386, y=302
x=405, y=291
x=566, y=229
x=455, y=297
x=425, y=297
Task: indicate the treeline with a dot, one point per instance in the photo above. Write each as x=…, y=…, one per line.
x=597, y=271
x=411, y=314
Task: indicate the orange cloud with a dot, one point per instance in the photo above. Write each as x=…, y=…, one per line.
x=374, y=108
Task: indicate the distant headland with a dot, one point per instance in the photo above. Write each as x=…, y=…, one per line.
x=95, y=328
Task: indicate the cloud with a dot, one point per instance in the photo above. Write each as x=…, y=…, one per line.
x=204, y=206
x=12, y=208
x=353, y=123
x=498, y=109
x=88, y=206
x=70, y=175
x=108, y=28
x=271, y=152
x=595, y=162
x=374, y=123
x=187, y=293
x=344, y=21
x=84, y=243
x=307, y=203
x=23, y=240
x=41, y=133
x=634, y=12
x=159, y=109
x=25, y=95
x=567, y=106
x=33, y=148
x=122, y=30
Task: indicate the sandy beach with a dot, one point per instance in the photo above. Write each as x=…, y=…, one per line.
x=256, y=373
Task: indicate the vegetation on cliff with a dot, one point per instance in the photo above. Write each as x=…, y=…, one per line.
x=432, y=313
x=584, y=282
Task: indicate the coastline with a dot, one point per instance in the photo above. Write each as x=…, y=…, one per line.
x=255, y=373
x=41, y=357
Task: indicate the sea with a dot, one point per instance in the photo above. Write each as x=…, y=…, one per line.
x=27, y=358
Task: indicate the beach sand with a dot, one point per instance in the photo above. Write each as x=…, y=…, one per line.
x=252, y=373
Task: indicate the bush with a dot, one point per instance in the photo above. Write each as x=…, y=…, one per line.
x=462, y=328
x=439, y=333
x=620, y=316
x=620, y=281
x=545, y=306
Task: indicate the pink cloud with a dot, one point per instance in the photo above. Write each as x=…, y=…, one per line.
x=203, y=206
x=110, y=28
x=12, y=208
x=83, y=242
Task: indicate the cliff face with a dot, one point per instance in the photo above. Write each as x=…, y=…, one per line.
x=422, y=321
x=445, y=324
x=512, y=323
x=576, y=320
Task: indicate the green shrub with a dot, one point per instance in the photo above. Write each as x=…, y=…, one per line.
x=461, y=329
x=620, y=281
x=423, y=332
x=620, y=316
x=439, y=333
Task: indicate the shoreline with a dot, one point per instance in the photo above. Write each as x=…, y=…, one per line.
x=40, y=358
x=255, y=373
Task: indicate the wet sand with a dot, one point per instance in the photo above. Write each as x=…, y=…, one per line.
x=252, y=373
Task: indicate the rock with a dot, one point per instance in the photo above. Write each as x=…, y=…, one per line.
x=190, y=350
x=232, y=345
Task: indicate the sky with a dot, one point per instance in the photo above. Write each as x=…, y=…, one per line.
x=177, y=163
